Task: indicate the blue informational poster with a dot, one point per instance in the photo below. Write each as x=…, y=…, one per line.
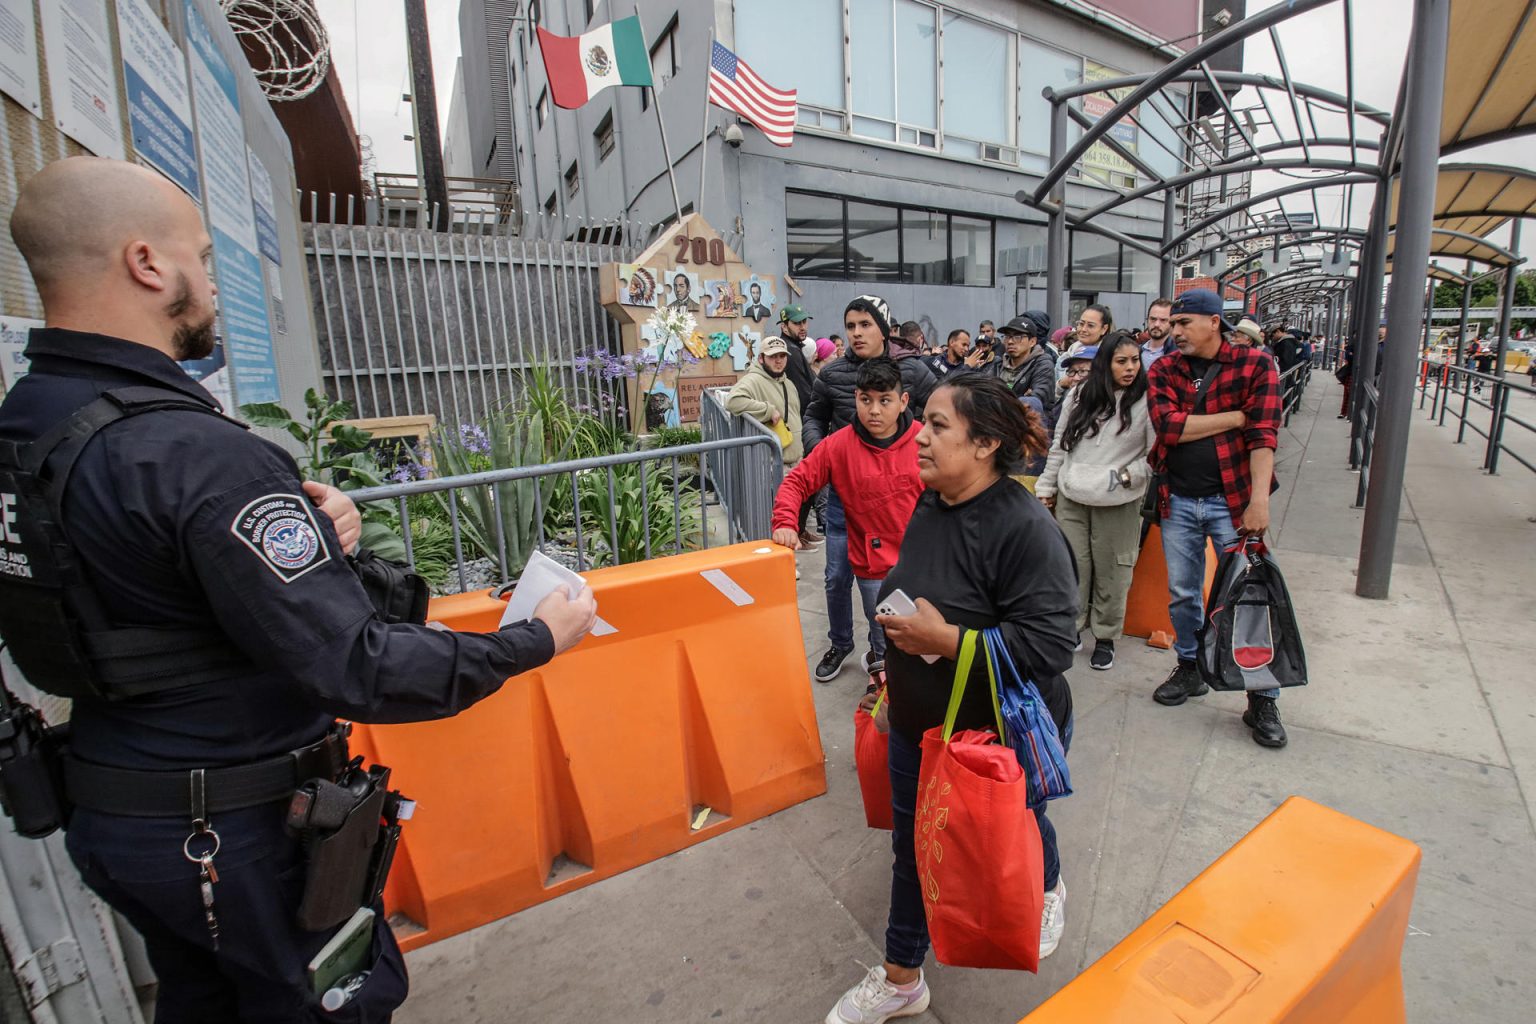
x=247, y=332
x=159, y=104
x=243, y=308
x=262, y=206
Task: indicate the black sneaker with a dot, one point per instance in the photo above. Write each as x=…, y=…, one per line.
x=1182, y=683
x=1103, y=655
x=1263, y=717
x=831, y=663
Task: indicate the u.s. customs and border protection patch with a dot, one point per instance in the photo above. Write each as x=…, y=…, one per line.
x=282, y=530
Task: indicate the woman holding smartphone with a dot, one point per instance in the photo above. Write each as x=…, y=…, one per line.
x=980, y=551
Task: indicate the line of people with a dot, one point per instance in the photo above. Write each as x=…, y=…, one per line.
x=922, y=457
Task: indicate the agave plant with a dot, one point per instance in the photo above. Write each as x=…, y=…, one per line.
x=514, y=441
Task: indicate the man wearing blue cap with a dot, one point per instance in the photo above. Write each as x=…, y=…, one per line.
x=1215, y=408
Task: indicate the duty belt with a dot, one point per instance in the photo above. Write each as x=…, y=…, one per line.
x=143, y=794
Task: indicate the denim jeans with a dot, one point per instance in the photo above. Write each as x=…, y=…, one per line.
x=906, y=930
x=1185, y=528
x=839, y=579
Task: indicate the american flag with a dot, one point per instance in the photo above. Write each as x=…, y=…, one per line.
x=735, y=86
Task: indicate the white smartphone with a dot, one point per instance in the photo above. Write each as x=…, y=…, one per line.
x=898, y=603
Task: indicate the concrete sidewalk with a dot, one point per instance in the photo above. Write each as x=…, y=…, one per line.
x=1419, y=719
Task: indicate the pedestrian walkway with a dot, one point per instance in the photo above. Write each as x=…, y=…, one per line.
x=1421, y=719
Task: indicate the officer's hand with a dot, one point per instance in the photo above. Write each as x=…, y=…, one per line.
x=342, y=511
x=568, y=618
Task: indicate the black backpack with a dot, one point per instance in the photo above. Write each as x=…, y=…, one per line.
x=1248, y=637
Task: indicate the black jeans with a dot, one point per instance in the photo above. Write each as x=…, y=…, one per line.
x=906, y=930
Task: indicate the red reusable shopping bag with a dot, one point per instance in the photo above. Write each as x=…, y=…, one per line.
x=872, y=754
x=979, y=860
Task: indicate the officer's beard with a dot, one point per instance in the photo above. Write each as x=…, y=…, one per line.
x=191, y=341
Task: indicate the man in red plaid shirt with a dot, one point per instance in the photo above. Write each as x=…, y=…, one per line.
x=1215, y=467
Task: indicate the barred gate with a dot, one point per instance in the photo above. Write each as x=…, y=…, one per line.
x=411, y=321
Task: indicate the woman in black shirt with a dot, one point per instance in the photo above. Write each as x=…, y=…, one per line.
x=980, y=551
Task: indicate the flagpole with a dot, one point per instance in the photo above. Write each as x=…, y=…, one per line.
x=666, y=151
x=704, y=138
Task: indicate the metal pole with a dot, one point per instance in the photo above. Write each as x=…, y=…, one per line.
x=1506, y=308
x=1369, y=314
x=709, y=48
x=1429, y=312
x=1466, y=304
x=1165, y=268
x=1056, y=228
x=424, y=108
x=666, y=150
x=1425, y=79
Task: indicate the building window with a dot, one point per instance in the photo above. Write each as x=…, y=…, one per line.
x=663, y=61
x=1041, y=66
x=815, y=68
x=978, y=87
x=1095, y=263
x=603, y=137
x=533, y=11
x=572, y=181
x=590, y=7
x=549, y=204
x=885, y=35
x=845, y=239
x=541, y=109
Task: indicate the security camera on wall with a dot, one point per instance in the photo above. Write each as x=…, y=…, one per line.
x=733, y=135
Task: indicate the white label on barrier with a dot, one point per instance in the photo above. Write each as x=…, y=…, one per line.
x=727, y=586
x=602, y=628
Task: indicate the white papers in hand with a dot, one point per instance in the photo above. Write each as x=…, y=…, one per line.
x=541, y=577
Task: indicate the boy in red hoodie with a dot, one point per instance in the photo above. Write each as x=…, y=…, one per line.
x=872, y=463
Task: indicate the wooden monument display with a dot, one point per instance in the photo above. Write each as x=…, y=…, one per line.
x=689, y=269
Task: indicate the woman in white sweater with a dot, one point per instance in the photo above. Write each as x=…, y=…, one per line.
x=1094, y=480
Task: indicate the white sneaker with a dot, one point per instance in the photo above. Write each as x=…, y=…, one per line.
x=1053, y=918
x=875, y=1000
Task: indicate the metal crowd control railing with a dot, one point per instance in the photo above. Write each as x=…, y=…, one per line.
x=738, y=481
x=744, y=493
x=1361, y=445
x=1454, y=390
x=1293, y=385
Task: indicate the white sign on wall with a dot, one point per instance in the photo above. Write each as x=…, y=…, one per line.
x=19, y=75
x=80, y=79
x=13, y=339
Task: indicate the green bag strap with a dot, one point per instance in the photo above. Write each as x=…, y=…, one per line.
x=878, y=701
x=962, y=675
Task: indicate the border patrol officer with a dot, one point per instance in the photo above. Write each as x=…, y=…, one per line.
x=213, y=566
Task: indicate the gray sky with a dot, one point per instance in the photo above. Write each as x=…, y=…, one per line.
x=370, y=59
x=1313, y=44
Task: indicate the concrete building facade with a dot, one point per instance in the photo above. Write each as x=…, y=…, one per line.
x=918, y=124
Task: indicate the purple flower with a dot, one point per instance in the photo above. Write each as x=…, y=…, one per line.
x=472, y=438
x=582, y=363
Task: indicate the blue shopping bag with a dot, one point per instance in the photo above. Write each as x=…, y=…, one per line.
x=1030, y=729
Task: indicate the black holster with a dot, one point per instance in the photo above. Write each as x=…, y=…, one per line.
x=32, y=770
x=396, y=593
x=349, y=829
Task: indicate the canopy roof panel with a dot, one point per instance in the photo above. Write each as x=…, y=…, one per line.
x=1490, y=90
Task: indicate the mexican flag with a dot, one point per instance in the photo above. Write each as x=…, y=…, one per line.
x=579, y=66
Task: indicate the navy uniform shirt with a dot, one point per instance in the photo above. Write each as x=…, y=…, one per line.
x=185, y=520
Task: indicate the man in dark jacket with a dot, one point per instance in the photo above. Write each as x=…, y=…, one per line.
x=1027, y=368
x=794, y=325
x=868, y=322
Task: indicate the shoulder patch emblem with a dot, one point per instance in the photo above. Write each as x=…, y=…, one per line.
x=282, y=530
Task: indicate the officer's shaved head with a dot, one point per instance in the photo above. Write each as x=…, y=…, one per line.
x=74, y=217
x=116, y=248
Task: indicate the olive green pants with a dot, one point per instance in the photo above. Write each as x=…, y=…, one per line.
x=1105, y=540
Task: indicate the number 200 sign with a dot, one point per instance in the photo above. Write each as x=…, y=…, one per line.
x=703, y=250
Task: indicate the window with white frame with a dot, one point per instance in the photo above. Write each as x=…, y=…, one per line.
x=663, y=61
x=602, y=137
x=979, y=89
x=795, y=44
x=885, y=35
x=542, y=108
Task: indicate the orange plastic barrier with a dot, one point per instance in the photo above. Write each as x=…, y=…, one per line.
x=1302, y=922
x=1146, y=606
x=694, y=718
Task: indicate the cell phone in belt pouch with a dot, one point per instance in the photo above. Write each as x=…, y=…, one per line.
x=346, y=952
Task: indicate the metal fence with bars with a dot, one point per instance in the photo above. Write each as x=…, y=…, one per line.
x=1458, y=391
x=612, y=509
